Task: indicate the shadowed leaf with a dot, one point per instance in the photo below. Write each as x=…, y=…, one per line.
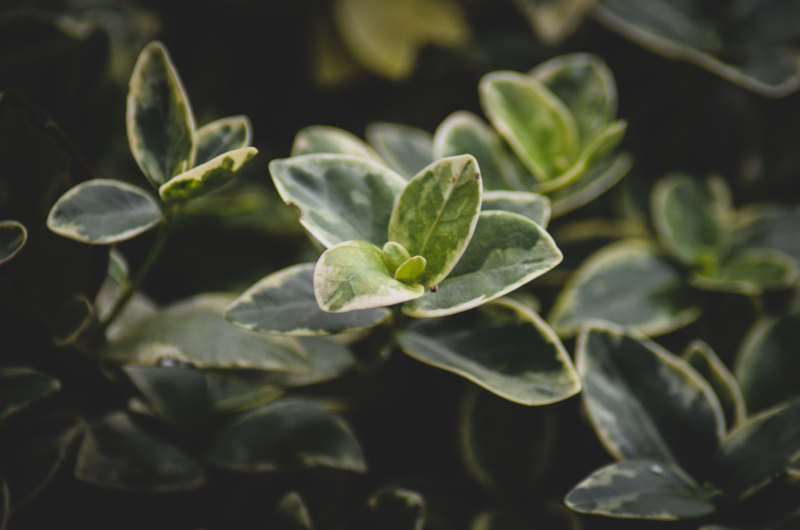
x=406, y=149
x=710, y=366
x=222, y=136
x=12, y=238
x=20, y=387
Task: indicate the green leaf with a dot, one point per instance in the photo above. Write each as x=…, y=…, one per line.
x=750, y=272
x=465, y=133
x=411, y=270
x=710, y=366
x=353, y=275
x=767, y=363
x=229, y=394
x=640, y=489
x=770, y=226
x=505, y=252
x=222, y=136
x=394, y=254
x=534, y=206
x=12, y=238
x=117, y=453
x=535, y=122
x=691, y=219
x=407, y=150
x=645, y=402
x=503, y=347
x=585, y=85
x=291, y=514
x=758, y=450
x=436, y=214
x=102, y=212
x=284, y=302
x=340, y=198
x=206, y=177
x=286, y=435
x=333, y=140
x=393, y=509
x=160, y=123
x=21, y=387
x=628, y=283
x=595, y=181
x=194, y=332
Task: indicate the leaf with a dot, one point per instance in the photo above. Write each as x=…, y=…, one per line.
x=691, y=220
x=102, y=212
x=284, y=302
x=465, y=133
x=628, y=283
x=640, y=489
x=194, y=332
x=116, y=453
x=583, y=82
x=770, y=226
x=750, y=272
x=554, y=21
x=393, y=509
x=385, y=36
x=645, y=402
x=340, y=198
x=20, y=387
x=291, y=514
x=411, y=270
x=595, y=181
x=222, y=136
x=325, y=139
x=160, y=123
x=703, y=359
x=758, y=451
x=502, y=346
x=230, y=395
x=534, y=206
x=206, y=177
x=407, y=150
x=436, y=214
x=12, y=238
x=353, y=275
x=505, y=252
x=767, y=362
x=535, y=123
x=286, y=435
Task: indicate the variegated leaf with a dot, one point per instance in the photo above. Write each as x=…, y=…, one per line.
x=534, y=206
x=284, y=302
x=12, y=238
x=340, y=197
x=750, y=272
x=103, y=211
x=206, y=177
x=502, y=346
x=595, y=181
x=436, y=214
x=506, y=251
x=221, y=136
x=160, y=123
x=316, y=139
x=406, y=149
x=353, y=275
x=640, y=489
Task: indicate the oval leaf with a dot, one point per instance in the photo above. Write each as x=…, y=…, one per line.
x=595, y=181
x=645, y=402
x=291, y=514
x=628, y=283
x=12, y=238
x=353, y=275
x=102, y=212
x=436, y=214
x=286, y=435
x=751, y=272
x=535, y=123
x=407, y=150
x=640, y=489
x=534, y=206
x=506, y=252
x=222, y=136
x=160, y=123
x=770, y=226
x=710, y=366
x=325, y=139
x=284, y=302
x=194, y=332
x=206, y=177
x=20, y=387
x=503, y=347
x=340, y=197
x=117, y=454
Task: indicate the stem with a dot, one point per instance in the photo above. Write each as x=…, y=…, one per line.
x=132, y=285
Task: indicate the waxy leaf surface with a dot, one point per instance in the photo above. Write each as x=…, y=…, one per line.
x=160, y=123
x=102, y=212
x=505, y=252
x=503, y=347
x=284, y=302
x=406, y=149
x=340, y=198
x=221, y=136
x=534, y=206
x=206, y=177
x=316, y=139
